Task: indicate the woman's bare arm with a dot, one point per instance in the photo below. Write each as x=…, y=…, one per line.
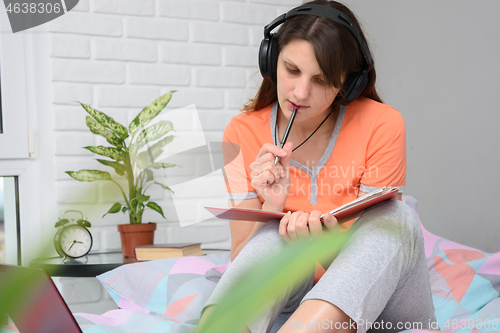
x=242, y=231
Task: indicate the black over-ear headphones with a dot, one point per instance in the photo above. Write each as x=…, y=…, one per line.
x=269, y=48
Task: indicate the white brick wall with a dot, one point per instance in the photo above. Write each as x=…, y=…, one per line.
x=189, y=9
x=87, y=24
x=118, y=56
x=70, y=47
x=124, y=50
x=156, y=29
x=87, y=71
x=247, y=14
x=190, y=54
x=125, y=7
x=125, y=96
x=219, y=33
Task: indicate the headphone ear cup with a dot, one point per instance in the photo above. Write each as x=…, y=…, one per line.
x=354, y=84
x=273, y=54
x=263, y=66
x=268, y=58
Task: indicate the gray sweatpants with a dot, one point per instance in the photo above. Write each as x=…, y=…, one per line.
x=379, y=279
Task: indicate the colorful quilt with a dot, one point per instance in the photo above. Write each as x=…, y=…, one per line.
x=465, y=285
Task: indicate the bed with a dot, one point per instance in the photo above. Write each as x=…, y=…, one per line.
x=167, y=295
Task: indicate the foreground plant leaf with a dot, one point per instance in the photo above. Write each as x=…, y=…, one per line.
x=18, y=289
x=267, y=282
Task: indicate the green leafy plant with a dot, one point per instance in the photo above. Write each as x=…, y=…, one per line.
x=135, y=161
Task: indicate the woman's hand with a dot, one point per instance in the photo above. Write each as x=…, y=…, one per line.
x=269, y=180
x=302, y=225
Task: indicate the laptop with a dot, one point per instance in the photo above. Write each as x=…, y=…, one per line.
x=40, y=309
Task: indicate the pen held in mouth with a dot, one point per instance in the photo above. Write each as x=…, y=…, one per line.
x=292, y=105
x=287, y=131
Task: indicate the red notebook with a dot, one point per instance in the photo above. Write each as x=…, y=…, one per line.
x=350, y=208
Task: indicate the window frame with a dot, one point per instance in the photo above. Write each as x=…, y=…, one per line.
x=14, y=139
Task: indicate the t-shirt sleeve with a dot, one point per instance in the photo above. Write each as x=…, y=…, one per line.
x=236, y=177
x=386, y=153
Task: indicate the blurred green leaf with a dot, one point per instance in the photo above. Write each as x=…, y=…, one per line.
x=268, y=281
x=17, y=289
x=149, y=112
x=89, y=175
x=107, y=121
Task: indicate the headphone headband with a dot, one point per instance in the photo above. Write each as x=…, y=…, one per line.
x=334, y=15
x=269, y=48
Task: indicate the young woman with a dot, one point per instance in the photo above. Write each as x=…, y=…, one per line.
x=344, y=143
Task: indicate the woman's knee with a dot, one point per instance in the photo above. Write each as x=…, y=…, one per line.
x=393, y=214
x=269, y=233
x=266, y=241
x=392, y=222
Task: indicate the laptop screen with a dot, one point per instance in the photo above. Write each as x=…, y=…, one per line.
x=33, y=302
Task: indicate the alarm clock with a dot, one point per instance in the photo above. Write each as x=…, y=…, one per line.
x=73, y=239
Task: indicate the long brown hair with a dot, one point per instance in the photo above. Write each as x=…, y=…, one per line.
x=337, y=52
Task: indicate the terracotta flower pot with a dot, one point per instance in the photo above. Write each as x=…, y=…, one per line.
x=133, y=235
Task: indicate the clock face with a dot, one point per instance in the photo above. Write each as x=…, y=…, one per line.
x=75, y=241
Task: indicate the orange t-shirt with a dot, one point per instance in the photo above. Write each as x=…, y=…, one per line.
x=367, y=151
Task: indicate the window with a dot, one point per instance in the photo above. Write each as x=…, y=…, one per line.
x=14, y=60
x=14, y=119
x=1, y=126
x=9, y=221
x=2, y=222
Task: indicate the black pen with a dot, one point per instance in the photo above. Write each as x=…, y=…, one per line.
x=287, y=131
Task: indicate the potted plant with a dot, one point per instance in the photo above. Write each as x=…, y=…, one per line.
x=135, y=162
